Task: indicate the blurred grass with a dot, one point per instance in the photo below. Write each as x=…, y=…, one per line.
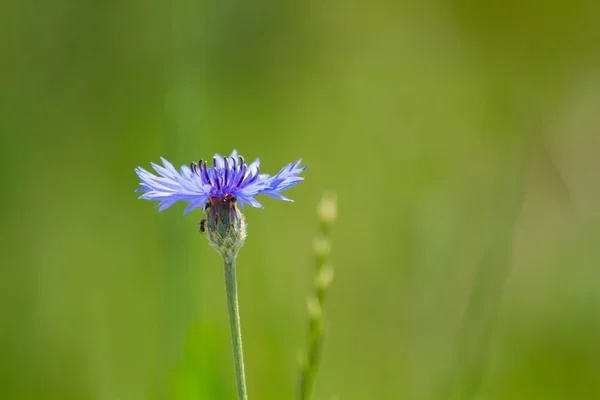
x=430, y=120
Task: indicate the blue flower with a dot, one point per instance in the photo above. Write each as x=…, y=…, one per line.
x=229, y=177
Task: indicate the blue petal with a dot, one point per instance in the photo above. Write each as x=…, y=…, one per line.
x=169, y=167
x=250, y=200
x=285, y=179
x=166, y=204
x=162, y=171
x=278, y=196
x=201, y=201
x=171, y=186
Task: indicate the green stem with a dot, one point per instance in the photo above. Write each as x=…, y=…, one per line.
x=313, y=356
x=234, y=325
x=309, y=363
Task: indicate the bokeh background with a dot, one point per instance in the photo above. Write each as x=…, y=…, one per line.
x=461, y=137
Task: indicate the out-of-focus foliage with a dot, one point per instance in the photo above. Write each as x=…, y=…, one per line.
x=462, y=138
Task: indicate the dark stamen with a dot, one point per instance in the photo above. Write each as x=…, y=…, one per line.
x=255, y=176
x=234, y=165
x=226, y=172
x=193, y=167
x=243, y=169
x=216, y=173
x=205, y=170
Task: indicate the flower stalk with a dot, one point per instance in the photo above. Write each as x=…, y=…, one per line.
x=226, y=232
x=234, y=325
x=309, y=362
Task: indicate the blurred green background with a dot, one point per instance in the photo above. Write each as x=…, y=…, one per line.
x=463, y=141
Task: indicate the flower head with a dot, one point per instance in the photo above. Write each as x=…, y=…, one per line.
x=228, y=178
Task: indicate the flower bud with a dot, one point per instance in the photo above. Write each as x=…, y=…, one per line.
x=327, y=208
x=225, y=226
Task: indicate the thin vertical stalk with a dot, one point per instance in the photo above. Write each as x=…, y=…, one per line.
x=309, y=362
x=234, y=325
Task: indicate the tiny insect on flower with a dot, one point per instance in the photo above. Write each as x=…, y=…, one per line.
x=229, y=180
